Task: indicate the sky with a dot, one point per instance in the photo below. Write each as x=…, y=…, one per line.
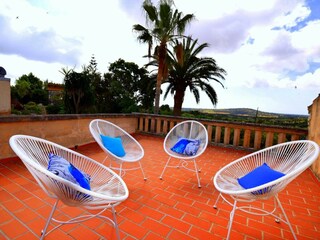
x=270, y=49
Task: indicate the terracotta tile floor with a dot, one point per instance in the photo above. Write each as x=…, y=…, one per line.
x=172, y=208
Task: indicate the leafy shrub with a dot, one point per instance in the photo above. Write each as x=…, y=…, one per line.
x=165, y=110
x=55, y=109
x=33, y=108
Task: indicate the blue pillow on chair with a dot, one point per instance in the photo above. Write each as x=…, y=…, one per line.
x=259, y=176
x=61, y=167
x=192, y=148
x=114, y=145
x=82, y=178
x=180, y=145
x=186, y=146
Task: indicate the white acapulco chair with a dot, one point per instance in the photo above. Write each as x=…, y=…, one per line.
x=290, y=158
x=107, y=188
x=133, y=150
x=191, y=130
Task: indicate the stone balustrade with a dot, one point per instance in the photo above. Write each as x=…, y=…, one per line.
x=73, y=130
x=229, y=134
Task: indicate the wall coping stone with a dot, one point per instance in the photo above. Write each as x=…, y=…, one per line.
x=53, y=117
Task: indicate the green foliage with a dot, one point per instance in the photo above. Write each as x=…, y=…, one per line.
x=165, y=110
x=124, y=88
x=147, y=91
x=187, y=70
x=29, y=88
x=30, y=108
x=28, y=95
x=78, y=92
x=127, y=88
x=33, y=108
x=56, y=105
x=285, y=120
x=55, y=108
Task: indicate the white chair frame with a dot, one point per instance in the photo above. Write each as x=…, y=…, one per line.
x=290, y=158
x=133, y=149
x=189, y=129
x=107, y=188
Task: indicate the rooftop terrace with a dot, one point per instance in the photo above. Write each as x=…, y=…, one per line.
x=172, y=208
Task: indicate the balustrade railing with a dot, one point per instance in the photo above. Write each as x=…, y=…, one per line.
x=229, y=134
x=72, y=130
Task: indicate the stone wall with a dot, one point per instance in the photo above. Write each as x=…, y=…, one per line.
x=66, y=130
x=5, y=96
x=314, y=130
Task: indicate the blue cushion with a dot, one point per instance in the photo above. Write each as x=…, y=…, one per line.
x=259, y=176
x=82, y=178
x=192, y=148
x=180, y=145
x=114, y=145
x=61, y=167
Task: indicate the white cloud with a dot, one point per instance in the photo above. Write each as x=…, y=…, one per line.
x=27, y=42
x=294, y=15
x=268, y=64
x=305, y=39
x=309, y=81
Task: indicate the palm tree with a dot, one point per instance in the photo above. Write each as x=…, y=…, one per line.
x=166, y=24
x=188, y=70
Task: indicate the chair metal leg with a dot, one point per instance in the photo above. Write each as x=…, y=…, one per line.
x=120, y=170
x=196, y=170
x=115, y=222
x=105, y=160
x=232, y=213
x=215, y=204
x=144, y=176
x=165, y=168
x=285, y=216
x=43, y=232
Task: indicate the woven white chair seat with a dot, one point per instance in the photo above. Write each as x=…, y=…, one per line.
x=290, y=158
x=188, y=130
x=133, y=150
x=107, y=188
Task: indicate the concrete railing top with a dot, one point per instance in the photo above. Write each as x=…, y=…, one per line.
x=72, y=129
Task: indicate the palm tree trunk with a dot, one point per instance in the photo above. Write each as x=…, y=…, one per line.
x=178, y=100
x=158, y=90
x=162, y=71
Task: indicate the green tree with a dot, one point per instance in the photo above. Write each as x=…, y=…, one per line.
x=166, y=24
x=65, y=71
x=189, y=71
x=147, y=91
x=29, y=88
x=92, y=67
x=79, y=88
x=94, y=78
x=102, y=95
x=127, y=87
x=78, y=95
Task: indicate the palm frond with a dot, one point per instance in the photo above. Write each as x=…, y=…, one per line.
x=196, y=73
x=183, y=22
x=151, y=11
x=168, y=90
x=211, y=93
x=195, y=93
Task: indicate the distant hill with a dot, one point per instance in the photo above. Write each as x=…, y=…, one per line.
x=248, y=115
x=245, y=112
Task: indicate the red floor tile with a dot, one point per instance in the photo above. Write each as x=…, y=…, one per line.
x=172, y=208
